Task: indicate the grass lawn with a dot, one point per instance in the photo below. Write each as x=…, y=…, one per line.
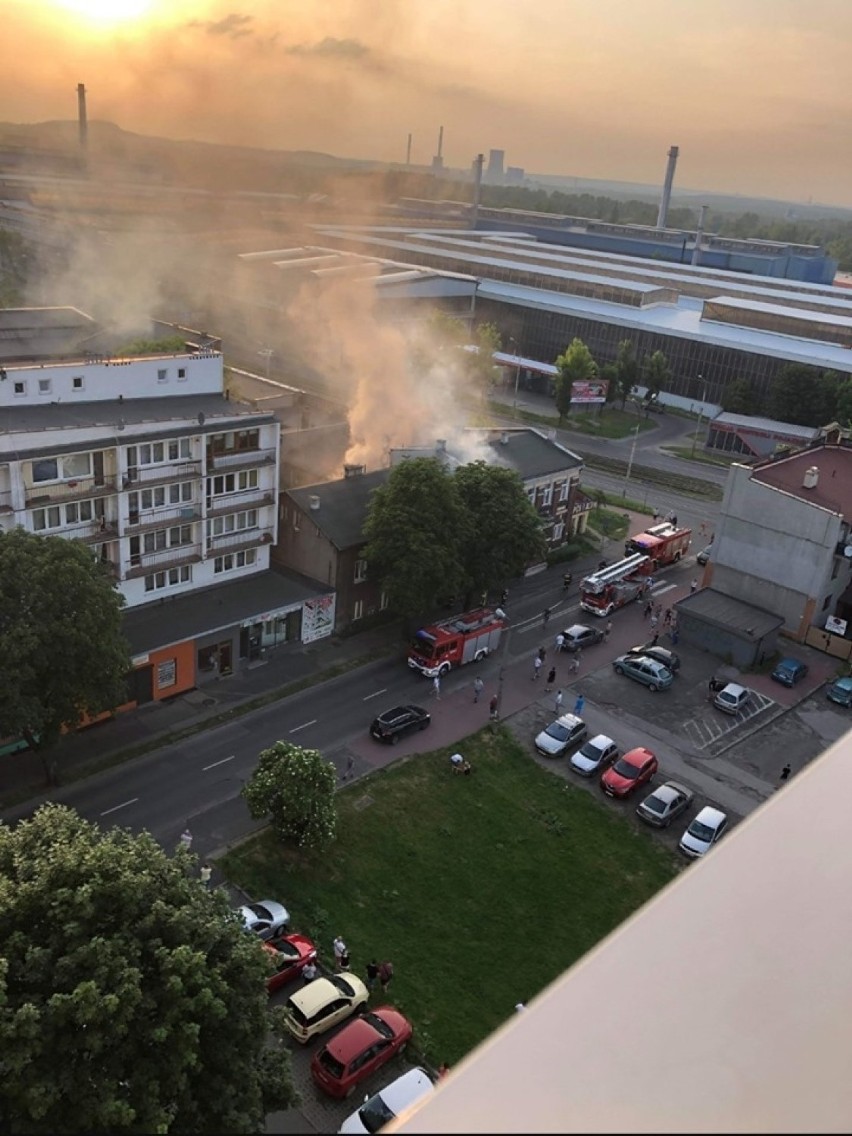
x=480, y=889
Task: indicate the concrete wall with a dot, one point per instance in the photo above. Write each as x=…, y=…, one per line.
x=725, y=645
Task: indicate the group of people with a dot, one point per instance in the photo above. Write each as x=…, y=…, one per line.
x=381, y=972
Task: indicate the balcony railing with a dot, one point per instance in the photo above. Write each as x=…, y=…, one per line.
x=249, y=499
x=75, y=489
x=246, y=459
x=234, y=542
x=161, y=561
x=142, y=477
x=6, y=501
x=148, y=519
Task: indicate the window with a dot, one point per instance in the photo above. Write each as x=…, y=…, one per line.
x=181, y=534
x=77, y=383
x=151, y=453
x=179, y=449
x=358, y=610
x=231, y=482
x=564, y=489
x=46, y=470
x=235, y=441
x=181, y=492
x=154, y=541
x=170, y=579
x=235, y=560
x=547, y=494
x=531, y=495
x=76, y=465
x=162, y=375
x=558, y=530
x=360, y=571
x=79, y=511
x=234, y=522
x=44, y=386
x=20, y=388
x=181, y=374
x=47, y=518
x=153, y=498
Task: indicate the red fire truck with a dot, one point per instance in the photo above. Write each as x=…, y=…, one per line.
x=462, y=639
x=664, y=543
x=614, y=586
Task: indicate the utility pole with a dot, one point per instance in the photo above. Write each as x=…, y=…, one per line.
x=700, y=416
x=513, y=341
x=630, y=462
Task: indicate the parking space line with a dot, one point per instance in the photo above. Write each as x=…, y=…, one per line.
x=707, y=729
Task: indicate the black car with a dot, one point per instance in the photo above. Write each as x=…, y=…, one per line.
x=661, y=654
x=394, y=724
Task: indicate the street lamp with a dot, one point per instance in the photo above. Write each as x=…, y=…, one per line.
x=700, y=416
x=632, y=455
x=513, y=341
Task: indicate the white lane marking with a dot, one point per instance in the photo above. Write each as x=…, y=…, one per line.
x=304, y=726
x=375, y=694
x=115, y=809
x=204, y=768
x=659, y=591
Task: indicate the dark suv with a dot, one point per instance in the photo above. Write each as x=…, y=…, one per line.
x=394, y=724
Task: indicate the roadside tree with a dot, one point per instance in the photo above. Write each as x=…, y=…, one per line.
x=656, y=374
x=738, y=397
x=574, y=365
x=415, y=532
x=844, y=403
x=294, y=787
x=626, y=370
x=63, y=655
x=131, y=1000
x=802, y=395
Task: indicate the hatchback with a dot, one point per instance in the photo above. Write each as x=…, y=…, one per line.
x=359, y=1050
x=323, y=1003
x=268, y=919
x=561, y=735
x=706, y=830
x=704, y=555
x=732, y=698
x=594, y=756
x=395, y=724
x=636, y=768
x=667, y=802
x=790, y=671
x=287, y=959
x=661, y=654
x=648, y=671
x=841, y=692
x=579, y=635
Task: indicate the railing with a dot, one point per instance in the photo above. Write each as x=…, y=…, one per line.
x=230, y=542
x=141, y=477
x=148, y=519
x=253, y=499
x=75, y=489
x=245, y=459
x=6, y=501
x=161, y=561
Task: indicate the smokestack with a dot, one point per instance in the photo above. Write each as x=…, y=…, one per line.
x=702, y=221
x=408, y=152
x=82, y=121
x=667, y=188
x=438, y=160
x=477, y=188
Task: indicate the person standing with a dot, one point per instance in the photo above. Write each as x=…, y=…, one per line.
x=545, y=617
x=785, y=773
x=693, y=585
x=649, y=608
x=344, y=960
x=667, y=617
x=551, y=679
x=542, y=653
x=579, y=704
x=478, y=687
x=574, y=664
x=385, y=975
x=372, y=974
x=310, y=970
x=558, y=701
x=349, y=770
x=205, y=873
x=436, y=687
x=607, y=630
x=186, y=839
x=560, y=641
x=339, y=951
x=654, y=621
x=492, y=707
x=537, y=665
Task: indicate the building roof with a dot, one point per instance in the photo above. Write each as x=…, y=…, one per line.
x=710, y=606
x=833, y=490
x=342, y=505
x=42, y=333
x=529, y=452
x=178, y=618
x=766, y=425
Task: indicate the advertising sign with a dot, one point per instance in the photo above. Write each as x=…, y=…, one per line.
x=317, y=618
x=592, y=390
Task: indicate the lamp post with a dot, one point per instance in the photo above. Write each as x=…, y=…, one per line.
x=700, y=416
x=513, y=341
x=630, y=461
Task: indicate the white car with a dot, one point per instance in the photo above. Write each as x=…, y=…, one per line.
x=707, y=829
x=385, y=1105
x=732, y=698
x=561, y=735
x=594, y=756
x=664, y=804
x=267, y=919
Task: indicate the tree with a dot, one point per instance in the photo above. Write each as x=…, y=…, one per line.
x=502, y=531
x=656, y=373
x=486, y=338
x=294, y=787
x=415, y=531
x=626, y=370
x=738, y=397
x=843, y=410
x=131, y=1000
x=63, y=654
x=802, y=395
x=575, y=365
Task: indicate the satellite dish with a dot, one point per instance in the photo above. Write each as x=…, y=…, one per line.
x=847, y=551
x=201, y=418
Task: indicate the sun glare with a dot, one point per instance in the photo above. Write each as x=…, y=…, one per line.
x=107, y=11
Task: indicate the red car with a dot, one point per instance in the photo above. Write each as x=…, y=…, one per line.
x=287, y=958
x=635, y=768
x=360, y=1049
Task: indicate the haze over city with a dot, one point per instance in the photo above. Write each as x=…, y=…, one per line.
x=754, y=92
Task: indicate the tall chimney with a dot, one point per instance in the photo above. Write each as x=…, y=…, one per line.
x=702, y=221
x=82, y=121
x=477, y=188
x=667, y=188
x=438, y=160
x=408, y=152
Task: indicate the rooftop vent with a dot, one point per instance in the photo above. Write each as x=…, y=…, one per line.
x=811, y=478
x=313, y=501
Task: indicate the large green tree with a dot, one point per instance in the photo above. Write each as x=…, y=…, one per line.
x=415, y=533
x=574, y=365
x=738, y=397
x=803, y=395
x=503, y=533
x=843, y=408
x=480, y=363
x=656, y=373
x=626, y=370
x=131, y=999
x=294, y=787
x=63, y=654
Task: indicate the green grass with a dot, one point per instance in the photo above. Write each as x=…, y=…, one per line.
x=612, y=525
x=611, y=423
x=701, y=456
x=480, y=889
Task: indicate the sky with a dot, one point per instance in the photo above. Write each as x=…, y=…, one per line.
x=756, y=93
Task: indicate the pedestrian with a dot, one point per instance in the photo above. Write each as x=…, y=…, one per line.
x=654, y=621
x=344, y=960
x=551, y=678
x=579, y=704
x=560, y=641
x=558, y=701
x=667, y=618
x=607, y=630
x=785, y=773
x=436, y=687
x=310, y=970
x=372, y=974
x=186, y=839
x=656, y=636
x=545, y=617
x=492, y=707
x=674, y=519
x=349, y=770
x=542, y=653
x=655, y=512
x=385, y=974
x=658, y=610
x=504, y=595
x=205, y=873
x=478, y=687
x=574, y=665
x=537, y=664
x=693, y=585
x=702, y=529
x=339, y=950
x=443, y=1069
x=649, y=607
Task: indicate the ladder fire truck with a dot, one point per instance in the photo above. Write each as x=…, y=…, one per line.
x=664, y=543
x=614, y=586
x=461, y=639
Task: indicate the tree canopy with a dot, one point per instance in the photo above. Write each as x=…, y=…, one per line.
x=63, y=654
x=131, y=1000
x=656, y=373
x=626, y=370
x=574, y=365
x=294, y=787
x=738, y=397
x=803, y=395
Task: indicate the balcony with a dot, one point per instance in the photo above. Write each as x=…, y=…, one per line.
x=236, y=542
x=94, y=532
x=6, y=501
x=248, y=499
x=161, y=561
x=164, y=473
x=247, y=459
x=150, y=519
x=76, y=489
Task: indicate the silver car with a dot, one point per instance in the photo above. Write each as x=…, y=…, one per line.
x=266, y=919
x=648, y=671
x=732, y=698
x=666, y=802
x=594, y=756
x=561, y=735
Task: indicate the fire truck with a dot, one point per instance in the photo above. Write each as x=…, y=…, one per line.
x=614, y=586
x=664, y=543
x=461, y=639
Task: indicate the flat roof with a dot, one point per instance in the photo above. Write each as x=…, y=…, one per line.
x=833, y=490
x=752, y=623
x=767, y=425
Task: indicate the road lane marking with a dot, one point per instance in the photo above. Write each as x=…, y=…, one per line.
x=659, y=591
x=304, y=726
x=215, y=763
x=115, y=809
x=375, y=694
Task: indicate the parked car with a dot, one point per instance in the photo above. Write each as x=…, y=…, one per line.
x=396, y=723
x=841, y=692
x=323, y=1003
x=666, y=802
x=790, y=671
x=661, y=654
x=384, y=1106
x=560, y=736
x=635, y=768
x=287, y=958
x=359, y=1050
x=594, y=756
x=267, y=919
x=704, y=555
x=580, y=635
x=732, y=698
x=707, y=829
x=648, y=671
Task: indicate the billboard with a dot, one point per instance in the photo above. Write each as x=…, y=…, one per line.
x=589, y=390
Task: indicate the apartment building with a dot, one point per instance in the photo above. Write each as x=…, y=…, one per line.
x=175, y=487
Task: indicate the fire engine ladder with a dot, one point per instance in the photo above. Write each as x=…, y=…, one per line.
x=615, y=572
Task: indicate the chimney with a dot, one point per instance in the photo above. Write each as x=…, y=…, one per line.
x=477, y=188
x=702, y=221
x=350, y=470
x=82, y=121
x=667, y=188
x=438, y=160
x=408, y=152
x=313, y=501
x=504, y=438
x=811, y=478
